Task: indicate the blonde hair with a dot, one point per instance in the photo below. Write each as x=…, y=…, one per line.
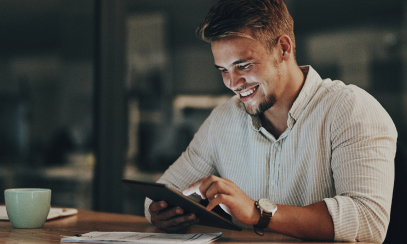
x=268, y=20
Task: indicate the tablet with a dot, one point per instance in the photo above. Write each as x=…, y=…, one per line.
x=160, y=192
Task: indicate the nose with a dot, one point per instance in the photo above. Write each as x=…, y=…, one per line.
x=233, y=80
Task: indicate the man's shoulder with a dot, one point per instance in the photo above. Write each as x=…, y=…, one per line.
x=351, y=100
x=337, y=90
x=341, y=90
x=336, y=98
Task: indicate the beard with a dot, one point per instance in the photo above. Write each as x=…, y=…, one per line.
x=268, y=100
x=266, y=103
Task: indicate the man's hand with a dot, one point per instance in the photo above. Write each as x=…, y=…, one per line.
x=223, y=191
x=171, y=220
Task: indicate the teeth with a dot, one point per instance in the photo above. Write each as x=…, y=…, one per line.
x=245, y=94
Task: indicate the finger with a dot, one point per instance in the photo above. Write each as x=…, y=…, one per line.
x=160, y=219
x=203, y=188
x=194, y=188
x=211, y=186
x=169, y=214
x=178, y=223
x=220, y=198
x=179, y=220
x=216, y=188
x=182, y=227
x=157, y=206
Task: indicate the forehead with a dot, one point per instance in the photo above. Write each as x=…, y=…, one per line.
x=232, y=48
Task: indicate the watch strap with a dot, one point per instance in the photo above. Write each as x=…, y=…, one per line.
x=264, y=220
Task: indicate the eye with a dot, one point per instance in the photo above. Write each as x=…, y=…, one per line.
x=245, y=66
x=223, y=70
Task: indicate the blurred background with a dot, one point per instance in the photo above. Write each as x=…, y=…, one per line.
x=99, y=90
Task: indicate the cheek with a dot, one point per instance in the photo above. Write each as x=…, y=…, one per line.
x=225, y=78
x=257, y=73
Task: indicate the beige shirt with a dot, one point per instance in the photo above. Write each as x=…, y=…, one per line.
x=339, y=147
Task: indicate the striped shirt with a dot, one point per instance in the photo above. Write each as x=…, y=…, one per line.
x=339, y=147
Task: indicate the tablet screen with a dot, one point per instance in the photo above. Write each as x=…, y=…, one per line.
x=159, y=192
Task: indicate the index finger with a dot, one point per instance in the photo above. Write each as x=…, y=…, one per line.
x=194, y=188
x=157, y=206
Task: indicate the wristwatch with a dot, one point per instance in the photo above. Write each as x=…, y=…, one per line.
x=267, y=210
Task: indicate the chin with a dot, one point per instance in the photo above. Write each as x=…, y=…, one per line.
x=264, y=106
x=253, y=111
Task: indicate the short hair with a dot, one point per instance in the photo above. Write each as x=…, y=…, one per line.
x=268, y=20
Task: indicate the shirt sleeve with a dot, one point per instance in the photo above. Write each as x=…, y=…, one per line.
x=363, y=138
x=194, y=164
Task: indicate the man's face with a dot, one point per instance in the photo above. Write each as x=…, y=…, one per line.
x=250, y=71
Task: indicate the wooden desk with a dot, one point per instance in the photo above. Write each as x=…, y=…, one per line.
x=87, y=221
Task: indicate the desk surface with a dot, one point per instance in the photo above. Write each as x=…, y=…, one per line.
x=87, y=221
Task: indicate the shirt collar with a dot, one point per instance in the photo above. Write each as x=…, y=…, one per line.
x=310, y=87
x=311, y=84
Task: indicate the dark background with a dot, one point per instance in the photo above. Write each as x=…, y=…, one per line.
x=51, y=93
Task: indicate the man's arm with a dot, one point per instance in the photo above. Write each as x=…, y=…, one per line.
x=363, y=140
x=309, y=222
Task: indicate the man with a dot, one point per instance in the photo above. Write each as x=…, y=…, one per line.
x=322, y=151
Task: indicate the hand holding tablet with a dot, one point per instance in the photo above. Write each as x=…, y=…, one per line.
x=171, y=219
x=173, y=198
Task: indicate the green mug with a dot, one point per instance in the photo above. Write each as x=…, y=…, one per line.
x=27, y=208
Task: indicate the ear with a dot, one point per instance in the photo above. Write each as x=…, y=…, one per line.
x=285, y=45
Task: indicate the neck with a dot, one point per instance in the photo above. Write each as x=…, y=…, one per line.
x=274, y=120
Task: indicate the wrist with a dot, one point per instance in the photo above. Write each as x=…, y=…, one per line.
x=266, y=209
x=255, y=216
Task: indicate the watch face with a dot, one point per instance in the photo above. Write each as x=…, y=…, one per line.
x=267, y=205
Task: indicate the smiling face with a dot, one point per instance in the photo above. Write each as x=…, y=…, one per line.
x=250, y=71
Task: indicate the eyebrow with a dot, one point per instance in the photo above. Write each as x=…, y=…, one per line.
x=236, y=62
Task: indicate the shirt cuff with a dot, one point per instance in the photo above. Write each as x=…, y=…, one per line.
x=345, y=217
x=147, y=203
